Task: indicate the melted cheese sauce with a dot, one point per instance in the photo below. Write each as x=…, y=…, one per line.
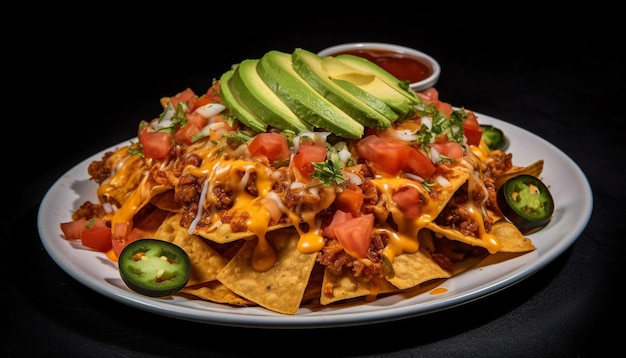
x=129, y=185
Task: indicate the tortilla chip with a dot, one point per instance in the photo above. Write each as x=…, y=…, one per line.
x=166, y=201
x=215, y=291
x=206, y=263
x=533, y=169
x=413, y=269
x=509, y=236
x=344, y=286
x=149, y=218
x=224, y=234
x=313, y=289
x=279, y=289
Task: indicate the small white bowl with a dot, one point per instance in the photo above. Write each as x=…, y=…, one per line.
x=403, y=62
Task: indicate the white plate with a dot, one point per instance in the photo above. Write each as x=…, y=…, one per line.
x=568, y=185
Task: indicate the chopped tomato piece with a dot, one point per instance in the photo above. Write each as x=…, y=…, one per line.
x=409, y=202
x=306, y=155
x=418, y=163
x=119, y=237
x=273, y=146
x=155, y=144
x=213, y=93
x=73, y=229
x=391, y=157
x=97, y=237
x=94, y=233
x=185, y=134
x=339, y=217
x=449, y=149
x=187, y=96
x=387, y=156
x=472, y=129
x=431, y=96
x=202, y=100
x=355, y=235
x=350, y=200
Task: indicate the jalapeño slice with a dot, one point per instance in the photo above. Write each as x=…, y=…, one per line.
x=494, y=137
x=526, y=202
x=154, y=267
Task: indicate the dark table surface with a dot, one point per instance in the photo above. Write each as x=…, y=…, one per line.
x=89, y=82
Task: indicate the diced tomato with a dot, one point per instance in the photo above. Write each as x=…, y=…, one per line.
x=355, y=235
x=273, y=146
x=350, y=200
x=409, y=202
x=94, y=234
x=197, y=120
x=119, y=237
x=155, y=144
x=449, y=149
x=213, y=93
x=185, y=134
x=391, y=157
x=471, y=128
x=97, y=237
x=202, y=100
x=137, y=234
x=339, y=217
x=73, y=229
x=306, y=155
x=418, y=163
x=386, y=156
x=431, y=96
x=186, y=96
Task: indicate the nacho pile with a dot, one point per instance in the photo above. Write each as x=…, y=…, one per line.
x=281, y=220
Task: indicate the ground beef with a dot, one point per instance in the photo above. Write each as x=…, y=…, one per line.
x=188, y=189
x=88, y=210
x=237, y=220
x=223, y=196
x=98, y=170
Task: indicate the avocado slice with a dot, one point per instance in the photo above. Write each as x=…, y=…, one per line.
x=371, y=83
x=367, y=97
x=237, y=107
x=364, y=65
x=262, y=101
x=311, y=68
x=276, y=70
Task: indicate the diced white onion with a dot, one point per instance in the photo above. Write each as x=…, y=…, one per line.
x=353, y=178
x=434, y=155
x=210, y=109
x=443, y=181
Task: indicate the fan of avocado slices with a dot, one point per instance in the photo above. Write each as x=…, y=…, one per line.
x=301, y=91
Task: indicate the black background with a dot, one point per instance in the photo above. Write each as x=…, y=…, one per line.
x=79, y=80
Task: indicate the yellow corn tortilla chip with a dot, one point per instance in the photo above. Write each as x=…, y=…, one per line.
x=509, y=236
x=166, y=201
x=206, y=263
x=344, y=286
x=224, y=234
x=279, y=289
x=215, y=291
x=533, y=169
x=413, y=269
x=313, y=289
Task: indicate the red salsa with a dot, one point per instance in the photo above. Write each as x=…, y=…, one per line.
x=403, y=66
